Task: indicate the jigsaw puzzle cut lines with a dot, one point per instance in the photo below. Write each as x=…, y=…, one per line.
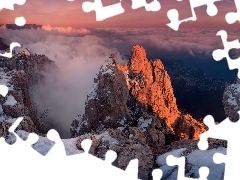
x=9, y=4
x=219, y=54
x=58, y=165
x=102, y=12
x=173, y=14
x=12, y=46
x=19, y=21
x=153, y=6
x=226, y=130
x=232, y=17
x=3, y=90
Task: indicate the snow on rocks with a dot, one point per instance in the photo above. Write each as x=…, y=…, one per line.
x=231, y=100
x=5, y=79
x=11, y=101
x=144, y=123
x=194, y=161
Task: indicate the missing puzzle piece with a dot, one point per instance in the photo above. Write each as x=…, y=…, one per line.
x=102, y=12
x=173, y=14
x=232, y=17
x=153, y=6
x=226, y=130
x=219, y=54
x=12, y=46
x=9, y=4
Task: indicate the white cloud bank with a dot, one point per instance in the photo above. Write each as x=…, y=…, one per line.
x=79, y=53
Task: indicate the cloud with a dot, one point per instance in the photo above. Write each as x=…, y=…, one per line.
x=79, y=53
x=78, y=58
x=67, y=30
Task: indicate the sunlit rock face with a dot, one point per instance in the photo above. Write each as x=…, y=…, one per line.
x=150, y=84
x=132, y=110
x=137, y=94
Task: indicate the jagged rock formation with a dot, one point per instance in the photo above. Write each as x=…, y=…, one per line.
x=128, y=143
x=122, y=94
x=105, y=106
x=35, y=66
x=138, y=96
x=20, y=73
x=231, y=100
x=16, y=103
x=150, y=84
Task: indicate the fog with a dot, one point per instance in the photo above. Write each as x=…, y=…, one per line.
x=79, y=53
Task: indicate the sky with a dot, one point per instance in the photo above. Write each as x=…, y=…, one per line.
x=64, y=13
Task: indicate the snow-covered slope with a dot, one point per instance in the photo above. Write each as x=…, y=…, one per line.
x=194, y=161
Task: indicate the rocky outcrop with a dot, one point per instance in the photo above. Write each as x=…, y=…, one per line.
x=134, y=105
x=106, y=104
x=27, y=71
x=150, y=84
x=136, y=94
x=231, y=100
x=16, y=103
x=35, y=66
x=128, y=143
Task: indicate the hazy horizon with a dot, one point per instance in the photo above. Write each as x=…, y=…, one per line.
x=65, y=13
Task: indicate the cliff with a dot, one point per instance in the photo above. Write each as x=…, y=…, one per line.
x=133, y=107
x=20, y=73
x=16, y=103
x=136, y=94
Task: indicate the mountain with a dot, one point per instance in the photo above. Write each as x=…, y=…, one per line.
x=130, y=95
x=21, y=72
x=26, y=26
x=131, y=109
x=17, y=103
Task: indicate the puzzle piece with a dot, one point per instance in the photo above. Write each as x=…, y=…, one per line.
x=12, y=46
x=180, y=162
x=20, y=21
x=173, y=14
x=3, y=90
x=153, y=6
x=9, y=4
x=232, y=17
x=226, y=130
x=131, y=171
x=157, y=174
x=102, y=12
x=20, y=157
x=58, y=149
x=224, y=53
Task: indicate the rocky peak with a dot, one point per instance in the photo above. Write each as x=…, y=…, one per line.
x=105, y=106
x=149, y=84
x=152, y=85
x=137, y=94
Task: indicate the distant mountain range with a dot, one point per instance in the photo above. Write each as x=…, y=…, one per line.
x=26, y=26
